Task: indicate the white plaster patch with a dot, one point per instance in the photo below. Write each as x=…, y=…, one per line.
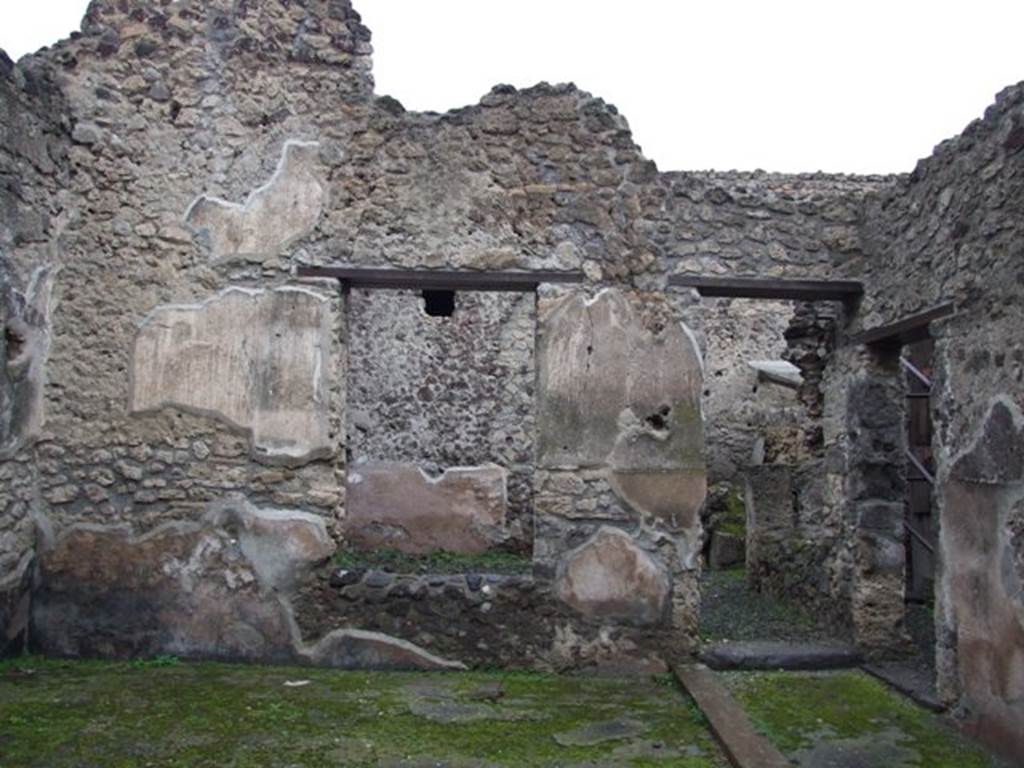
x=253, y=359
x=272, y=217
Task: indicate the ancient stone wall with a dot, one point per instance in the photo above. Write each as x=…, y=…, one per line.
x=742, y=409
x=952, y=232
x=436, y=392
x=186, y=368
x=759, y=224
x=33, y=171
x=196, y=390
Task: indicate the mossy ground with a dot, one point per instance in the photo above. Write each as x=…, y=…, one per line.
x=164, y=713
x=848, y=718
x=730, y=610
x=394, y=561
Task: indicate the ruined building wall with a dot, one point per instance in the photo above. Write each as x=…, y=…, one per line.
x=952, y=232
x=799, y=546
x=200, y=396
x=445, y=392
x=741, y=409
x=33, y=171
x=184, y=377
x=759, y=224
x=754, y=224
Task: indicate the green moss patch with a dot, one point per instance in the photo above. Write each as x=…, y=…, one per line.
x=849, y=718
x=163, y=713
x=394, y=561
x=734, y=522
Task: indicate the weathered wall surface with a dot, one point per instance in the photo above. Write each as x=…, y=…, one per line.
x=154, y=127
x=33, y=170
x=399, y=506
x=621, y=452
x=758, y=224
x=167, y=122
x=740, y=408
x=512, y=621
x=216, y=145
x=444, y=392
x=952, y=232
x=864, y=491
x=257, y=360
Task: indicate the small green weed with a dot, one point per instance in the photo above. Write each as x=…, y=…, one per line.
x=156, y=661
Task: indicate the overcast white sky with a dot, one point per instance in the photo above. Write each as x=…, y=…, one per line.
x=784, y=85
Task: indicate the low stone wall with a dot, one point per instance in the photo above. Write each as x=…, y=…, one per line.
x=481, y=620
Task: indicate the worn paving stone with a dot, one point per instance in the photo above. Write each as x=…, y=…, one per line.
x=447, y=711
x=768, y=654
x=910, y=680
x=884, y=748
x=598, y=733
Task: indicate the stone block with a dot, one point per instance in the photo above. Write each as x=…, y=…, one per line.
x=612, y=579
x=774, y=655
x=397, y=506
x=277, y=214
x=257, y=360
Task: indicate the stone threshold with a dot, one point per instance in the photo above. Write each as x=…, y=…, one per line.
x=775, y=655
x=914, y=683
x=744, y=746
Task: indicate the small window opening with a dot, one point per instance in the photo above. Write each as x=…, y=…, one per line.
x=439, y=303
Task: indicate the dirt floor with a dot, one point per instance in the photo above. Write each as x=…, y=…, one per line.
x=168, y=713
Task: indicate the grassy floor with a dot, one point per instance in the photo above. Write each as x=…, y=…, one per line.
x=165, y=713
x=849, y=719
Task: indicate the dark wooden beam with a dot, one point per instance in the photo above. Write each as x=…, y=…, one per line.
x=764, y=288
x=905, y=331
x=438, y=279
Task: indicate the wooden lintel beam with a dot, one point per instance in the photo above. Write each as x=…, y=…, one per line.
x=908, y=330
x=770, y=288
x=437, y=279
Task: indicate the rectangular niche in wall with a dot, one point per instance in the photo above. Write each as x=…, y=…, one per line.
x=442, y=384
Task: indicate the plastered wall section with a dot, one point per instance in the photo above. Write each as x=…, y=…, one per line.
x=215, y=146
x=951, y=232
x=33, y=172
